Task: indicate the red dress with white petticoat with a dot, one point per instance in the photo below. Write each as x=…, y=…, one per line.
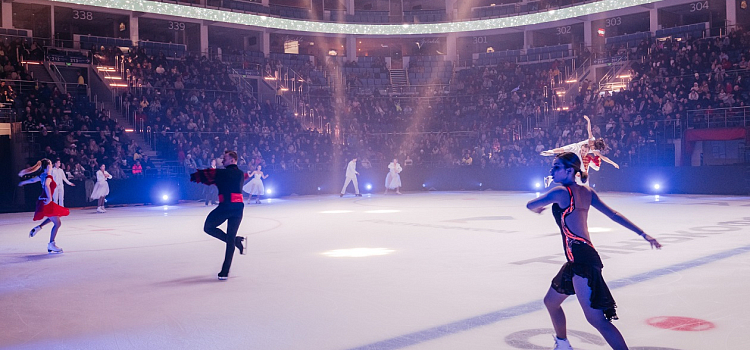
x=51, y=209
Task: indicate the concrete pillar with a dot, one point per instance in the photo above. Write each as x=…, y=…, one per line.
x=265, y=43
x=451, y=43
x=351, y=48
x=7, y=14
x=264, y=2
x=587, y=34
x=204, y=39
x=349, y=7
x=528, y=39
x=449, y=8
x=731, y=13
x=52, y=24
x=654, y=19
x=134, y=35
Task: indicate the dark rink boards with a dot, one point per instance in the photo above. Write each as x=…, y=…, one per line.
x=437, y=270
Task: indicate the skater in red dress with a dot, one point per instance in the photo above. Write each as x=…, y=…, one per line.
x=45, y=207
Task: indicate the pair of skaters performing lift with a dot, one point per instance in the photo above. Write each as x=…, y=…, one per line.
x=581, y=275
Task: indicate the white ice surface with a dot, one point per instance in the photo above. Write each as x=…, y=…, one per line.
x=145, y=277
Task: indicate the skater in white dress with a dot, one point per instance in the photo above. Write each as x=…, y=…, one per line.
x=393, y=179
x=254, y=187
x=101, y=188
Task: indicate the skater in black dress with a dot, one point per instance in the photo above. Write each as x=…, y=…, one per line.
x=229, y=182
x=582, y=274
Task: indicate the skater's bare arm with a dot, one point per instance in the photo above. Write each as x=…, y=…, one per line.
x=605, y=159
x=621, y=219
x=554, y=195
x=588, y=126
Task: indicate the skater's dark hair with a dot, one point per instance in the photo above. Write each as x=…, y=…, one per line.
x=40, y=166
x=232, y=154
x=599, y=144
x=571, y=160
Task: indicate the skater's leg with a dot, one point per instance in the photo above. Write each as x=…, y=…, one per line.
x=553, y=301
x=346, y=184
x=596, y=317
x=46, y=221
x=57, y=223
x=356, y=186
x=233, y=224
x=214, y=219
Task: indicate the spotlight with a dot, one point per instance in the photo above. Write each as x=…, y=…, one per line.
x=424, y=185
x=165, y=197
x=368, y=187
x=480, y=184
x=269, y=191
x=537, y=185
x=318, y=188
x=657, y=186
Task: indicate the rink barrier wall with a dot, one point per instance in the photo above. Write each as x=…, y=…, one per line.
x=719, y=180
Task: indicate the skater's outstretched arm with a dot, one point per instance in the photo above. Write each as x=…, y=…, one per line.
x=621, y=219
x=29, y=181
x=605, y=159
x=588, y=127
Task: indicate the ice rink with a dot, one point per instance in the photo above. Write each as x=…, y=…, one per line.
x=428, y=270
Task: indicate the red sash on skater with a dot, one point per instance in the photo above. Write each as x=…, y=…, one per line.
x=236, y=198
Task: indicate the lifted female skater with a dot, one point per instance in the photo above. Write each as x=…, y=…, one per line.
x=582, y=274
x=581, y=149
x=45, y=207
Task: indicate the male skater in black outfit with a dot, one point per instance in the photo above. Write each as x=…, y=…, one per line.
x=229, y=182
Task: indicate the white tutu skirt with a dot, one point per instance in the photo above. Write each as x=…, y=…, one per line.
x=392, y=181
x=101, y=189
x=254, y=187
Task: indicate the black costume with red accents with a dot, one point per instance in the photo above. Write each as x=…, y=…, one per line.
x=584, y=261
x=229, y=182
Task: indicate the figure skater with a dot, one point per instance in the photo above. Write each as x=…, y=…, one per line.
x=59, y=177
x=254, y=187
x=581, y=149
x=101, y=188
x=393, y=179
x=45, y=207
x=351, y=176
x=229, y=182
x=582, y=274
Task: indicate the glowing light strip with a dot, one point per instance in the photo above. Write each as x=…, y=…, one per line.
x=358, y=28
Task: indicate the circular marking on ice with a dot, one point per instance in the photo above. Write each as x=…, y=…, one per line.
x=678, y=323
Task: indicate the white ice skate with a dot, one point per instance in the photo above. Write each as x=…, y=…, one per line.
x=100, y=210
x=562, y=344
x=34, y=230
x=54, y=249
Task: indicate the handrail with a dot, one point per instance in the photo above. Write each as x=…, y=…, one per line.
x=58, y=74
x=718, y=117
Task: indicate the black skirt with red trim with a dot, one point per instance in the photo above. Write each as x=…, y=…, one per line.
x=587, y=264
